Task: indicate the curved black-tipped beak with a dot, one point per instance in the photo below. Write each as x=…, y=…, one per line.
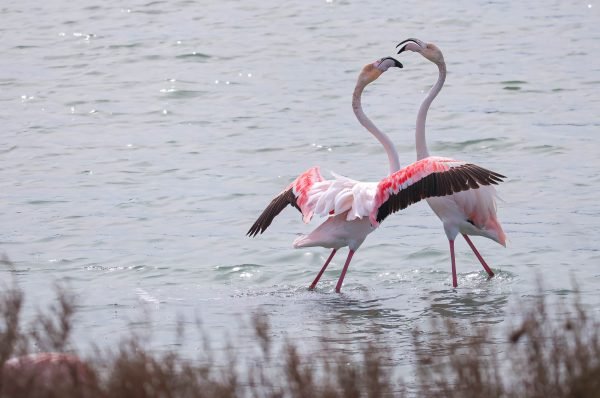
x=402, y=44
x=396, y=62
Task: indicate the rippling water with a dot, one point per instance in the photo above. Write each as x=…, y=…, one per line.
x=142, y=140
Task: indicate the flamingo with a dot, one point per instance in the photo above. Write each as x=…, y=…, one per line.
x=354, y=209
x=471, y=212
x=46, y=371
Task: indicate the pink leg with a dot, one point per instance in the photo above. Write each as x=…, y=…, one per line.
x=312, y=285
x=485, y=266
x=454, y=279
x=338, y=287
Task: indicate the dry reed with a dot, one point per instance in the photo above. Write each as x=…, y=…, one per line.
x=546, y=355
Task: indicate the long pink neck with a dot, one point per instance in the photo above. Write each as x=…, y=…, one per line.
x=422, y=151
x=390, y=150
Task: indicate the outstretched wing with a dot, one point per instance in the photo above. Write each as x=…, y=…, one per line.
x=296, y=194
x=432, y=176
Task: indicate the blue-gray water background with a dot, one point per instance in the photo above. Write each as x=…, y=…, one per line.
x=141, y=139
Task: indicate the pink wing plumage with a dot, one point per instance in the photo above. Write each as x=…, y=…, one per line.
x=311, y=194
x=429, y=177
x=301, y=188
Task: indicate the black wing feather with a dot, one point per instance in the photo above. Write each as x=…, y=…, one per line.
x=279, y=203
x=456, y=179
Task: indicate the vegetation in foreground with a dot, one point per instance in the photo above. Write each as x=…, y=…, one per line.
x=541, y=357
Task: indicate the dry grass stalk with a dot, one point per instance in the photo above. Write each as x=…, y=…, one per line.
x=541, y=357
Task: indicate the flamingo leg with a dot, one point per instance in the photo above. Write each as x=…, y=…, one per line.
x=481, y=260
x=338, y=287
x=454, y=279
x=312, y=285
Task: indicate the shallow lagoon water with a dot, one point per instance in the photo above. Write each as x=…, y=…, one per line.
x=141, y=142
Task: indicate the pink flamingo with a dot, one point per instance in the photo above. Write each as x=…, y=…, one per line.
x=354, y=209
x=470, y=212
x=46, y=371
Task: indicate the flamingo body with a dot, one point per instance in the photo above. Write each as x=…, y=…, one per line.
x=337, y=232
x=469, y=213
x=48, y=371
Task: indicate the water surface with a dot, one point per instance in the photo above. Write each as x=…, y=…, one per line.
x=142, y=140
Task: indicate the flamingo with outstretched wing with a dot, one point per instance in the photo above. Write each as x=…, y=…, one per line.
x=470, y=212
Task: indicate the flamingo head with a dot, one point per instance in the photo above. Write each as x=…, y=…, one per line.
x=372, y=71
x=428, y=50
